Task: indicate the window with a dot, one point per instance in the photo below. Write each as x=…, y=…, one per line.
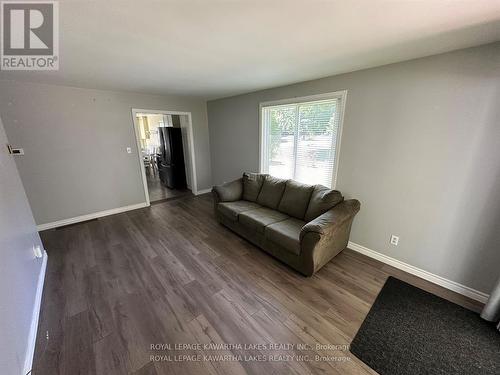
x=301, y=139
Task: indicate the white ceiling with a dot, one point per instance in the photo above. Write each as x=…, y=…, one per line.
x=220, y=48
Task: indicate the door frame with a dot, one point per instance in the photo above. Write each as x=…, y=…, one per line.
x=135, y=111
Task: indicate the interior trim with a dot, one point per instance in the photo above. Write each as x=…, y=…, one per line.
x=30, y=349
x=426, y=275
x=203, y=191
x=95, y=215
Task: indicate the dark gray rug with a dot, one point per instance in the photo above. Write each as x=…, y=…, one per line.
x=410, y=331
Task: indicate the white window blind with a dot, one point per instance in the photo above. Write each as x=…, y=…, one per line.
x=300, y=140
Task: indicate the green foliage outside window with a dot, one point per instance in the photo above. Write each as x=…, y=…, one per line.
x=314, y=120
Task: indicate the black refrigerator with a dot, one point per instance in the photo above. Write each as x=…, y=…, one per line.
x=171, y=161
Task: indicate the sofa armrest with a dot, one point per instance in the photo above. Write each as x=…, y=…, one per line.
x=332, y=218
x=229, y=192
x=327, y=235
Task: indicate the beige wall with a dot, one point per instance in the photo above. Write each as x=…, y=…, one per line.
x=420, y=150
x=75, y=142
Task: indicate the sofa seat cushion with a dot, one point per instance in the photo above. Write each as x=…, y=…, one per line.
x=231, y=210
x=286, y=233
x=260, y=218
x=295, y=199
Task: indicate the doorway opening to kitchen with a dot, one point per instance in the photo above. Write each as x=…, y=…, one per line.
x=165, y=145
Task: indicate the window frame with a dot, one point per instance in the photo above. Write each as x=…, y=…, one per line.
x=342, y=95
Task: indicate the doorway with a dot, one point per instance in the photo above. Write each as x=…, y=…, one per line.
x=166, y=153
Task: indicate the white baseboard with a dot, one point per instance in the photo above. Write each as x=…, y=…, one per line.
x=30, y=350
x=441, y=281
x=95, y=215
x=203, y=191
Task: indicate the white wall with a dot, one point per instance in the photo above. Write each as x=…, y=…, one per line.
x=420, y=150
x=19, y=269
x=75, y=143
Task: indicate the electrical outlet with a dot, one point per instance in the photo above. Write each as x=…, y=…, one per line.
x=394, y=240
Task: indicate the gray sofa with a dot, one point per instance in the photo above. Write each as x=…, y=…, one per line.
x=302, y=225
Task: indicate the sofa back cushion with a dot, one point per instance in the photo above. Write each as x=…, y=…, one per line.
x=295, y=199
x=271, y=192
x=252, y=183
x=322, y=199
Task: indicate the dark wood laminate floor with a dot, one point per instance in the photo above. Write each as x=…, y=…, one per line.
x=169, y=274
x=158, y=192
